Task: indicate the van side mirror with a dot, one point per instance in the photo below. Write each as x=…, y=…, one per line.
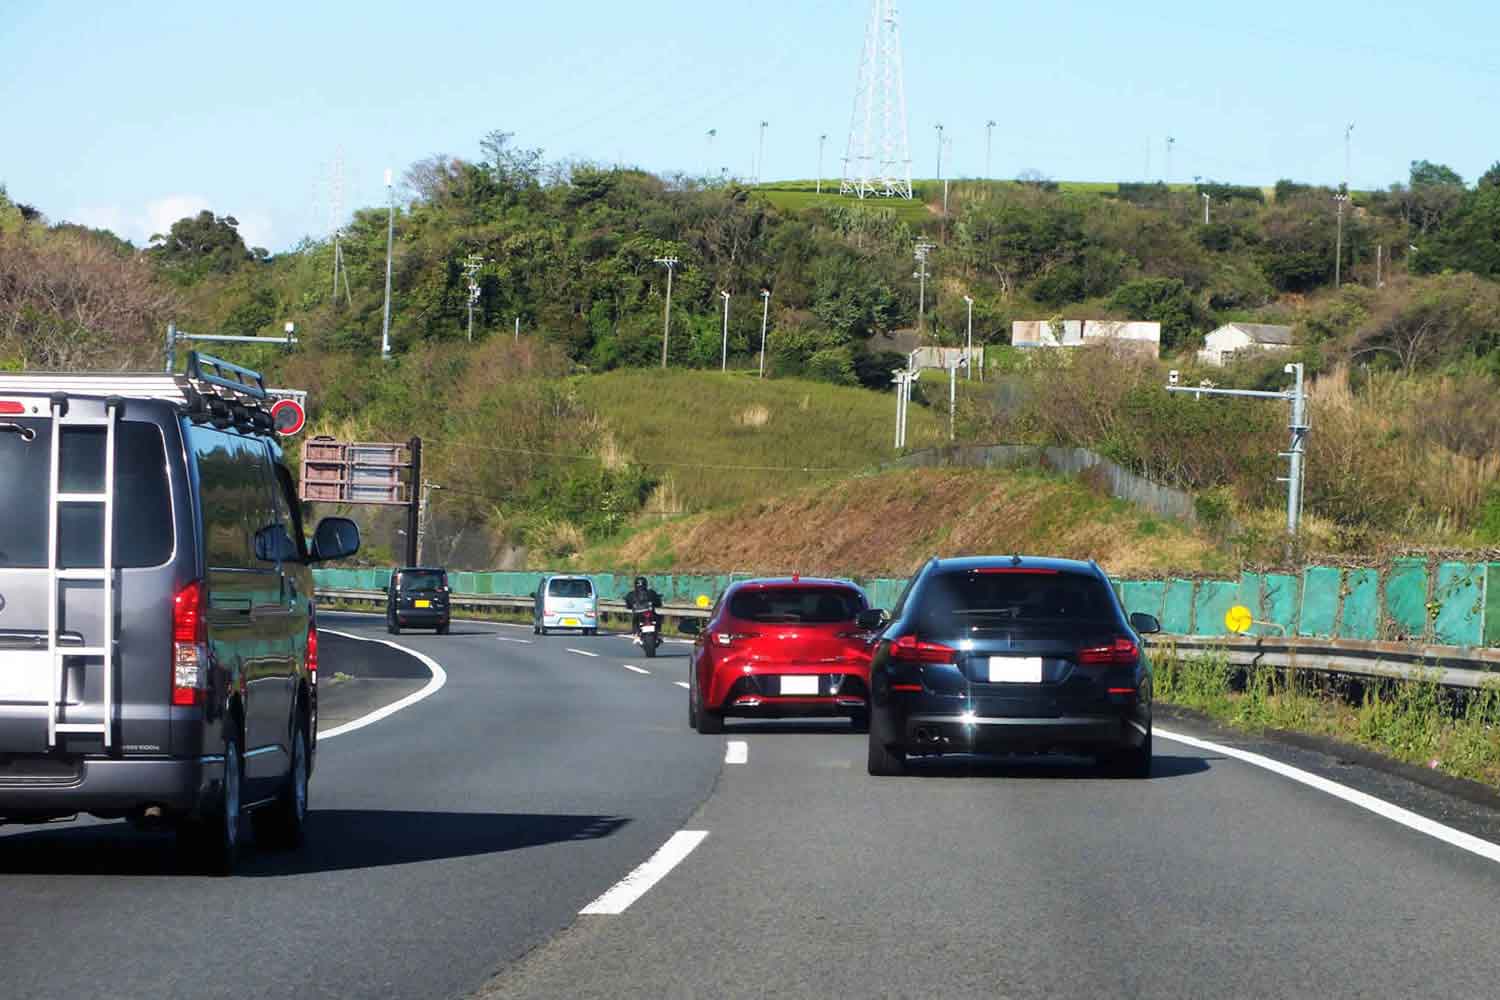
x=872, y=619
x=689, y=626
x=335, y=538
x=1144, y=624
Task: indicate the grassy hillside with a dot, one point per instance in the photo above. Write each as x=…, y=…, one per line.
x=715, y=439
x=887, y=524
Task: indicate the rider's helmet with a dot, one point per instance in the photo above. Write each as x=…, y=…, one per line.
x=640, y=583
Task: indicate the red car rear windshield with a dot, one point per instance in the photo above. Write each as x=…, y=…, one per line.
x=810, y=605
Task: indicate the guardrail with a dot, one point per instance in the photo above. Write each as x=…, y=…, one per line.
x=1450, y=666
x=490, y=603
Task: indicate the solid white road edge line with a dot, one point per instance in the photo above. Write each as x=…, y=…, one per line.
x=736, y=752
x=653, y=870
x=439, y=678
x=636, y=669
x=682, y=684
x=583, y=652
x=1379, y=807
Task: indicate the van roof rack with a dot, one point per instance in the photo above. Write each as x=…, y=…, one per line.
x=211, y=390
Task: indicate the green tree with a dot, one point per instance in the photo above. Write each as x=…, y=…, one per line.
x=199, y=245
x=1161, y=300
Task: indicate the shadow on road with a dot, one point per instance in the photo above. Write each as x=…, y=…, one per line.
x=1047, y=767
x=337, y=840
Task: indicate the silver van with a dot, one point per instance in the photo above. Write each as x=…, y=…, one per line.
x=566, y=602
x=158, y=652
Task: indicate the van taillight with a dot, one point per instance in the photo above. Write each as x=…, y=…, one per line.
x=911, y=650
x=312, y=652
x=189, y=644
x=10, y=407
x=1121, y=652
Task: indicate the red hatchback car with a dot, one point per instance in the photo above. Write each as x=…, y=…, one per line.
x=776, y=648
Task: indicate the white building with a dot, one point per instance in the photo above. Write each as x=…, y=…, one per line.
x=1142, y=336
x=1240, y=339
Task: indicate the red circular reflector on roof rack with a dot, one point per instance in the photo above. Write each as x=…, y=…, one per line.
x=288, y=416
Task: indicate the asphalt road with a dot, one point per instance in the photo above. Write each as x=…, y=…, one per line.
x=444, y=840
x=459, y=839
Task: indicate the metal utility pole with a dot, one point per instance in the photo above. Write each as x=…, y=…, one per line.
x=760, y=158
x=920, y=253
x=989, y=139
x=1206, y=200
x=413, y=501
x=709, y=169
x=1348, y=134
x=670, y=263
x=1170, y=143
x=969, y=350
x=472, y=264
x=427, y=488
x=1379, y=255
x=952, y=396
x=765, y=314
x=518, y=330
x=903, y=379
x=1296, y=455
x=724, y=356
x=821, y=140
x=1338, y=246
x=390, y=238
x=939, y=127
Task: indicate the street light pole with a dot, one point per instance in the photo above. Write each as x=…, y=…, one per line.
x=1206, y=200
x=760, y=159
x=969, y=351
x=989, y=139
x=724, y=356
x=390, y=237
x=765, y=313
x=939, y=127
x=920, y=253
x=821, y=140
x=670, y=263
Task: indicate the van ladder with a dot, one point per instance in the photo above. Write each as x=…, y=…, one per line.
x=56, y=575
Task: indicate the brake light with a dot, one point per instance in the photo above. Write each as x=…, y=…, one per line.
x=1118, y=653
x=10, y=406
x=189, y=644
x=910, y=650
x=730, y=638
x=1015, y=571
x=312, y=652
x=910, y=688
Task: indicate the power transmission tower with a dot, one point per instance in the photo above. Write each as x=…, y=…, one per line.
x=877, y=163
x=336, y=230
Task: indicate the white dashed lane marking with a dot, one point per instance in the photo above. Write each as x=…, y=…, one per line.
x=736, y=752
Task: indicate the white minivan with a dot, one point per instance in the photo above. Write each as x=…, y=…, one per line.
x=569, y=602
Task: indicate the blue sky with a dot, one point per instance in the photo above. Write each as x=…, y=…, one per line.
x=130, y=114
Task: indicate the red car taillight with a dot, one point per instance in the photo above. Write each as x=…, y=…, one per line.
x=730, y=638
x=1121, y=652
x=189, y=644
x=908, y=649
x=312, y=652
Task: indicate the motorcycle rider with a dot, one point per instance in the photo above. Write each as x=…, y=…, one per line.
x=638, y=600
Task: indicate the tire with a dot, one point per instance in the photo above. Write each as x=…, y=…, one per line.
x=707, y=722
x=692, y=710
x=390, y=626
x=214, y=843
x=882, y=762
x=1134, y=762
x=649, y=643
x=859, y=720
x=282, y=826
x=541, y=630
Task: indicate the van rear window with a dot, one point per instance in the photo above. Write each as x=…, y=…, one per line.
x=570, y=588
x=416, y=579
x=143, y=528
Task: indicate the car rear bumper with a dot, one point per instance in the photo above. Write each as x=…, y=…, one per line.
x=115, y=788
x=422, y=616
x=580, y=619
x=959, y=734
x=759, y=707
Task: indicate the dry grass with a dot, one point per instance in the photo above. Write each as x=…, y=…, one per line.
x=754, y=416
x=886, y=525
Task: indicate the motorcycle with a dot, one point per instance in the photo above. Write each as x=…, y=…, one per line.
x=648, y=630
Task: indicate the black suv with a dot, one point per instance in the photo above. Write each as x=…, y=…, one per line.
x=1010, y=654
x=417, y=597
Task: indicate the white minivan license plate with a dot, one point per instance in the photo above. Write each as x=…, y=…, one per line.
x=1015, y=670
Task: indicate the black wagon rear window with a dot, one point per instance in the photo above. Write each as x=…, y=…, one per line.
x=415, y=579
x=143, y=526
x=1003, y=596
x=570, y=588
x=790, y=605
